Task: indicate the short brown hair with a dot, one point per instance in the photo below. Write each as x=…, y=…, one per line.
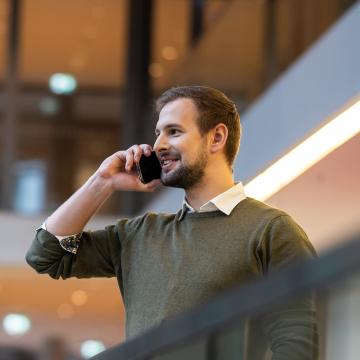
x=214, y=108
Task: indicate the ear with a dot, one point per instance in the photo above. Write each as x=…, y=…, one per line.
x=219, y=135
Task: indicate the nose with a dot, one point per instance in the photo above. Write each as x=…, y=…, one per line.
x=161, y=144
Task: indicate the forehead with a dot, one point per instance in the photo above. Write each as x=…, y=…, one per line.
x=180, y=111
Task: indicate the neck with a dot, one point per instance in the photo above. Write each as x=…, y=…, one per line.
x=211, y=185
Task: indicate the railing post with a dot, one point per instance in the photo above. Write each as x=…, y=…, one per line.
x=136, y=126
x=197, y=21
x=9, y=128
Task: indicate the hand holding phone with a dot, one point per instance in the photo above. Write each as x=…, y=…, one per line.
x=149, y=168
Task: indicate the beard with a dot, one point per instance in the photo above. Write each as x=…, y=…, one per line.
x=186, y=176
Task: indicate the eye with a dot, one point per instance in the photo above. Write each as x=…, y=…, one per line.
x=174, y=132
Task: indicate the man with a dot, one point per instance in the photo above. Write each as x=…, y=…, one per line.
x=168, y=263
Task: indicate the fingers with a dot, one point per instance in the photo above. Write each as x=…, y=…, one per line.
x=146, y=149
x=129, y=163
x=120, y=169
x=134, y=153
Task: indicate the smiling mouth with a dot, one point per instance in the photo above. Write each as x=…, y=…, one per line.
x=167, y=164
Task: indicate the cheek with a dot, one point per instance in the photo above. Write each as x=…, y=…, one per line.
x=179, y=146
x=186, y=148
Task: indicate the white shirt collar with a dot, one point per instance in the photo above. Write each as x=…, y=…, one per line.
x=224, y=202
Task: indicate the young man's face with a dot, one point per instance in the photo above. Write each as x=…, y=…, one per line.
x=182, y=151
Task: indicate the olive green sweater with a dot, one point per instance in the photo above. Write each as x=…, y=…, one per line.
x=166, y=264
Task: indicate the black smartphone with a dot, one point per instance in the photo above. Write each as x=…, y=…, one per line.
x=149, y=168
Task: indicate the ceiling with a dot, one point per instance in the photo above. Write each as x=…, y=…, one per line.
x=88, y=38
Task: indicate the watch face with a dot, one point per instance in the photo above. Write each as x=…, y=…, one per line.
x=149, y=168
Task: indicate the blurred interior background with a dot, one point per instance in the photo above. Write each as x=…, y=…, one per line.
x=77, y=83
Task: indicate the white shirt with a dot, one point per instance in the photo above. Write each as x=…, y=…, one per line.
x=224, y=202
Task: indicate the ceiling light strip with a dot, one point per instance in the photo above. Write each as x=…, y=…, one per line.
x=332, y=135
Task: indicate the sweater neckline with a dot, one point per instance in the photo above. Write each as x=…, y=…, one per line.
x=207, y=214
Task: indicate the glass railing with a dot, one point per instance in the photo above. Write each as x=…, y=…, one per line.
x=309, y=311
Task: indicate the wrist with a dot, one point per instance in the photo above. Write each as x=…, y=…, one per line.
x=101, y=186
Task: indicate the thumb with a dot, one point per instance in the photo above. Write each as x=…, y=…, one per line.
x=152, y=185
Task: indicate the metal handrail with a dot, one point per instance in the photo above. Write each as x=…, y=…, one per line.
x=246, y=300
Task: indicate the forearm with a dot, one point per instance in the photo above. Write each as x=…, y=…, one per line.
x=292, y=330
x=98, y=255
x=72, y=216
x=117, y=172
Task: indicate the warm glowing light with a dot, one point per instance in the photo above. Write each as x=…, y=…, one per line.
x=79, y=297
x=65, y=311
x=16, y=324
x=156, y=70
x=169, y=53
x=91, y=348
x=332, y=135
